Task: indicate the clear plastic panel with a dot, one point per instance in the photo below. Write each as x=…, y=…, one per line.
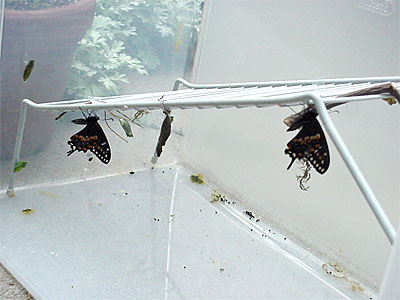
x=53, y=51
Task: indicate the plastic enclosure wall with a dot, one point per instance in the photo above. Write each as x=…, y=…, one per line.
x=242, y=149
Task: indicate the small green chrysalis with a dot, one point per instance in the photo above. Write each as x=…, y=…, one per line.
x=19, y=165
x=28, y=69
x=126, y=127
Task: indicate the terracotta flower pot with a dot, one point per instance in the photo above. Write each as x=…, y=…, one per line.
x=49, y=37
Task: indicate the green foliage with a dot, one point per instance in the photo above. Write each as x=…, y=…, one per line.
x=100, y=62
x=130, y=36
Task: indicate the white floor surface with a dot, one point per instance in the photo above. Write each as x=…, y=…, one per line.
x=152, y=235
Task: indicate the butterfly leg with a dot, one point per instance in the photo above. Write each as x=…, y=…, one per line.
x=291, y=163
x=70, y=152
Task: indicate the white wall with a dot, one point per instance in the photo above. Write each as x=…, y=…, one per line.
x=258, y=40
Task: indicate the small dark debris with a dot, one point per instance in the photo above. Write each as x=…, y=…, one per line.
x=269, y=230
x=28, y=211
x=201, y=210
x=126, y=193
x=257, y=220
x=162, y=172
x=250, y=214
x=156, y=219
x=152, y=168
x=216, y=212
x=184, y=267
x=251, y=229
x=131, y=172
x=233, y=202
x=90, y=159
x=284, y=238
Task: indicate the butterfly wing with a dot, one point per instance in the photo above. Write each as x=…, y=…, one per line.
x=310, y=143
x=91, y=138
x=101, y=148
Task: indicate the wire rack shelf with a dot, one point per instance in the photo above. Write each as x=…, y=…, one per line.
x=319, y=92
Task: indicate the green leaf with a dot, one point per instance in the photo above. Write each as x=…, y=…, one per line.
x=19, y=165
x=126, y=127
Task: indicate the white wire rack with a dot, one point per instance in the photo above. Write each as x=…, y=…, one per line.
x=239, y=95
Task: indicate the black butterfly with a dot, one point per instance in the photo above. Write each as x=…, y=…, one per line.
x=91, y=138
x=310, y=144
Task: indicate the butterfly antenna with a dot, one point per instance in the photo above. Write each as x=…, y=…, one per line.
x=83, y=112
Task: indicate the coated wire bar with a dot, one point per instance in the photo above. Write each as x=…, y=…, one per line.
x=354, y=170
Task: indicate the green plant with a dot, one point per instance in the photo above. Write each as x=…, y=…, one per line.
x=100, y=62
x=130, y=36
